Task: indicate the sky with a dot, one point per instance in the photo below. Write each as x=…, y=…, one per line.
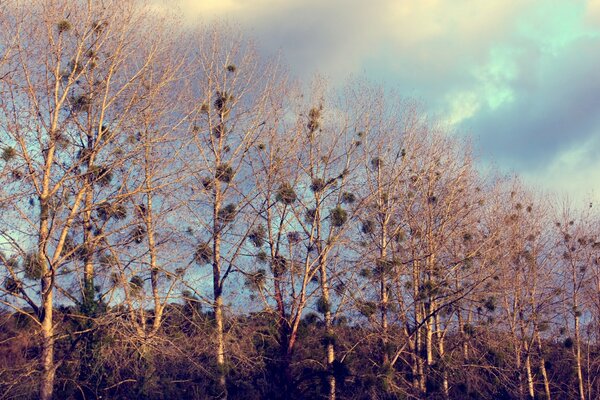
x=519, y=77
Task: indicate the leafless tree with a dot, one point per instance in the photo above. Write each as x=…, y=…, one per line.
x=233, y=94
x=76, y=78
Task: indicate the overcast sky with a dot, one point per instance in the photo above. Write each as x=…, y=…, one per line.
x=521, y=77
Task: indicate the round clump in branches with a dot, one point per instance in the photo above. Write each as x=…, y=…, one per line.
x=367, y=227
x=314, y=116
x=317, y=185
x=207, y=183
x=119, y=211
x=203, y=254
x=219, y=131
x=33, y=266
x=257, y=236
x=8, y=153
x=338, y=216
x=293, y=237
x=286, y=194
x=310, y=215
x=256, y=279
x=385, y=266
x=227, y=213
x=104, y=211
x=323, y=306
x=81, y=102
x=366, y=273
x=11, y=262
x=11, y=285
x=223, y=98
x=224, y=173
x=231, y=68
x=16, y=174
x=367, y=308
x=348, y=198
x=138, y=233
x=279, y=265
x=568, y=343
x=64, y=26
x=490, y=303
x=107, y=260
x=262, y=257
x=136, y=283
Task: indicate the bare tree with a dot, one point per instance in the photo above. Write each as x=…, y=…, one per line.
x=232, y=96
x=576, y=253
x=76, y=76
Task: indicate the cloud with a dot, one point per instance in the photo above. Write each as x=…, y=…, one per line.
x=518, y=75
x=572, y=173
x=551, y=110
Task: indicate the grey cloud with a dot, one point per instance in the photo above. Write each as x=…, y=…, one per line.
x=428, y=50
x=556, y=107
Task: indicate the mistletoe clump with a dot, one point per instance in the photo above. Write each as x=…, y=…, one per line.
x=314, y=116
x=33, y=266
x=338, y=216
x=203, y=254
x=8, y=153
x=64, y=26
x=257, y=236
x=286, y=194
x=317, y=185
x=227, y=213
x=224, y=173
x=348, y=198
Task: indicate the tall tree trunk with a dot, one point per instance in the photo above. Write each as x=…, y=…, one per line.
x=218, y=309
x=149, y=218
x=442, y=351
x=428, y=341
x=48, y=369
x=578, y=359
x=218, y=291
x=530, y=383
x=543, y=367
x=326, y=300
x=519, y=371
x=285, y=354
x=383, y=291
x=419, y=380
x=329, y=347
x=88, y=271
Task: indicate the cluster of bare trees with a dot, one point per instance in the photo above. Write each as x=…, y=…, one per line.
x=179, y=219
